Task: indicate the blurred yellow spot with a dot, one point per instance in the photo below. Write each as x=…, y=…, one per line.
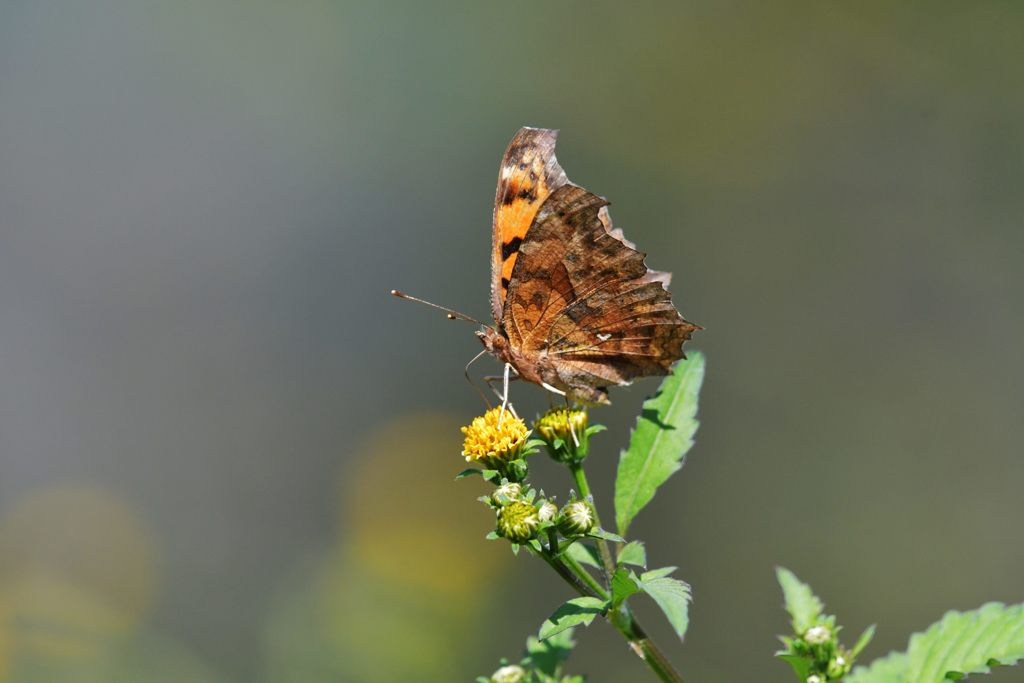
x=406, y=516
x=76, y=568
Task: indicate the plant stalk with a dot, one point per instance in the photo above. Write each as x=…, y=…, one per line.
x=623, y=621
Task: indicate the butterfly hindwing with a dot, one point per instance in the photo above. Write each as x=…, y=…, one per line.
x=582, y=307
x=529, y=173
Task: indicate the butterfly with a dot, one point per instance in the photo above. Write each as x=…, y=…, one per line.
x=576, y=310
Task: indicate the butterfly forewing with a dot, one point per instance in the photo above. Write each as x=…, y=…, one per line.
x=529, y=173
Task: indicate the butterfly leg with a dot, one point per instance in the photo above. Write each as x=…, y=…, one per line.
x=504, y=393
x=489, y=380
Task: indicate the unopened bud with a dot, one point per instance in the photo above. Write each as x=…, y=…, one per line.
x=818, y=635
x=577, y=518
x=509, y=674
x=547, y=511
x=518, y=522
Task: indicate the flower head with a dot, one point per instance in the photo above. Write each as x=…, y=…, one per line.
x=509, y=674
x=818, y=635
x=507, y=493
x=577, y=518
x=518, y=522
x=494, y=438
x=547, y=511
x=564, y=431
x=838, y=667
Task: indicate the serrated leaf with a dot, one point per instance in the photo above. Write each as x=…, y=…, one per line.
x=623, y=586
x=633, y=553
x=965, y=642
x=547, y=655
x=657, y=573
x=584, y=553
x=889, y=669
x=802, y=604
x=671, y=595
x=575, y=612
x=960, y=644
x=659, y=442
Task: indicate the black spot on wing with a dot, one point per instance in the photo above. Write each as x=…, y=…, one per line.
x=510, y=247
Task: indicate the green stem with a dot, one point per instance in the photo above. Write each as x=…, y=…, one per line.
x=553, y=542
x=567, y=574
x=585, y=576
x=623, y=621
x=602, y=545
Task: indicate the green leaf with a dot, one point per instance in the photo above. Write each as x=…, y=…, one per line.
x=584, y=553
x=659, y=442
x=801, y=603
x=966, y=642
x=547, y=655
x=801, y=665
x=960, y=644
x=468, y=472
x=671, y=595
x=623, y=586
x=572, y=613
x=863, y=641
x=606, y=535
x=633, y=553
x=889, y=669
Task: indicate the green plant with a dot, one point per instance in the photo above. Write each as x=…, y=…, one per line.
x=609, y=571
x=960, y=644
x=605, y=569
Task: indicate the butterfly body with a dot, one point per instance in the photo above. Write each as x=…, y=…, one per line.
x=576, y=308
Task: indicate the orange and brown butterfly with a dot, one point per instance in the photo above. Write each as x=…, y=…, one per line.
x=576, y=309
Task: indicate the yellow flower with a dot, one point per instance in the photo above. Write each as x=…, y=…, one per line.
x=494, y=439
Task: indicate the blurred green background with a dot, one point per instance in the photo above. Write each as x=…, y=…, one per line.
x=227, y=454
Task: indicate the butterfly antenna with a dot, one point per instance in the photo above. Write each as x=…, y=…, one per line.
x=452, y=314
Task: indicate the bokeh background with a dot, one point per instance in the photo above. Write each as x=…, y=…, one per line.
x=226, y=454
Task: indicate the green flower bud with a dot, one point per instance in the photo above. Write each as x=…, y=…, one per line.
x=507, y=493
x=577, y=518
x=564, y=432
x=518, y=522
x=509, y=674
x=547, y=511
x=838, y=667
x=818, y=635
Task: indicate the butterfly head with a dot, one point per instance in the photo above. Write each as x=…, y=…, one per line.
x=495, y=343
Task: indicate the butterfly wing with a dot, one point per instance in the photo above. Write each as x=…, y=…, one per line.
x=529, y=174
x=583, y=309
